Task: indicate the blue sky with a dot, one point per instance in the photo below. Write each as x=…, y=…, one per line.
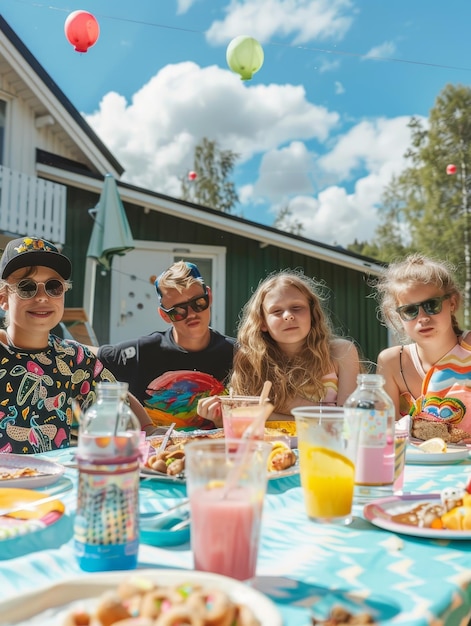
x=321, y=127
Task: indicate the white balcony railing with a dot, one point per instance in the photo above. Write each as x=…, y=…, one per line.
x=32, y=206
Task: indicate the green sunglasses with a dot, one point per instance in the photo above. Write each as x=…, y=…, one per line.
x=432, y=306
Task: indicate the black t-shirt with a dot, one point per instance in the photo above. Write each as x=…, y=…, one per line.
x=169, y=380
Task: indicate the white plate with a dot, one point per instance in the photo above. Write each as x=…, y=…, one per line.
x=452, y=455
x=146, y=472
x=49, y=472
x=380, y=513
x=47, y=607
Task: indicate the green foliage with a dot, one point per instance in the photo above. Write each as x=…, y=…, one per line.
x=212, y=187
x=286, y=222
x=424, y=209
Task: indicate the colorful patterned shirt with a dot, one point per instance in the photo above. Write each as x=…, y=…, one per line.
x=36, y=392
x=446, y=389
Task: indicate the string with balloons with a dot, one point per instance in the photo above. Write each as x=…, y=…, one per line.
x=451, y=169
x=244, y=55
x=192, y=176
x=82, y=30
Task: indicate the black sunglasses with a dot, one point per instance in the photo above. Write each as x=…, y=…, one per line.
x=432, y=306
x=28, y=288
x=179, y=312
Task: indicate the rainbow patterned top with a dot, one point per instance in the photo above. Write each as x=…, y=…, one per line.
x=446, y=390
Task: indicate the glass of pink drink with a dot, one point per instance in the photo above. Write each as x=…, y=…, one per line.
x=401, y=438
x=238, y=412
x=226, y=483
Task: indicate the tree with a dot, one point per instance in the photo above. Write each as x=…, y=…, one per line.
x=424, y=208
x=285, y=221
x=211, y=186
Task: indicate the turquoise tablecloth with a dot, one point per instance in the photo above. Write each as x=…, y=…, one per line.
x=429, y=581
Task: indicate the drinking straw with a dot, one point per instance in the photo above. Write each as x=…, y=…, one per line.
x=164, y=443
x=265, y=391
x=247, y=437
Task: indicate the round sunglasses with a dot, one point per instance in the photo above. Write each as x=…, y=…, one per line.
x=179, y=312
x=432, y=306
x=28, y=288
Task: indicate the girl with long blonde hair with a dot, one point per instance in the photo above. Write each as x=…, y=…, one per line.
x=285, y=336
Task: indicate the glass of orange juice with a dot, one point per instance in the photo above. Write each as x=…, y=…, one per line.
x=327, y=443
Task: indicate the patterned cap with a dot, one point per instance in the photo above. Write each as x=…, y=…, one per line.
x=31, y=251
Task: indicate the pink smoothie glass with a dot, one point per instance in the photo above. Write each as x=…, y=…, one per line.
x=238, y=412
x=401, y=439
x=226, y=483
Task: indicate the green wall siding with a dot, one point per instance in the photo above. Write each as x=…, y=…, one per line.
x=353, y=311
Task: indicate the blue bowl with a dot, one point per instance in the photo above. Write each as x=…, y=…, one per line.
x=163, y=535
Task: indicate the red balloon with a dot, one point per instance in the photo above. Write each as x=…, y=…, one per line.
x=192, y=175
x=451, y=169
x=81, y=30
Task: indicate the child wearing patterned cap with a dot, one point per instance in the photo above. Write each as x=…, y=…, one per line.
x=40, y=374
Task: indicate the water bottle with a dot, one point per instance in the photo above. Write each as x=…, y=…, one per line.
x=374, y=471
x=106, y=526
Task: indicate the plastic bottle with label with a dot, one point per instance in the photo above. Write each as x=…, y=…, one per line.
x=374, y=471
x=106, y=526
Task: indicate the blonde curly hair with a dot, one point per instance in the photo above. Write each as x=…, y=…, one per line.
x=259, y=358
x=400, y=275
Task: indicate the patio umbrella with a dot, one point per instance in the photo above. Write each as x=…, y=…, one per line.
x=111, y=235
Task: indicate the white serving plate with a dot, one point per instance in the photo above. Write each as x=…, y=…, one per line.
x=50, y=472
x=452, y=455
x=48, y=606
x=380, y=513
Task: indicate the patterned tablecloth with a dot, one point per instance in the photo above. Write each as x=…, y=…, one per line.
x=416, y=581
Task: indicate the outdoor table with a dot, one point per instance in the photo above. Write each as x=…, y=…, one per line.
x=429, y=580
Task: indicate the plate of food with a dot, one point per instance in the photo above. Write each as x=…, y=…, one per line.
x=219, y=599
x=169, y=464
x=16, y=521
x=435, y=451
x=24, y=471
x=445, y=515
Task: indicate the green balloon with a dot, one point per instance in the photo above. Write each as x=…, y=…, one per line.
x=244, y=56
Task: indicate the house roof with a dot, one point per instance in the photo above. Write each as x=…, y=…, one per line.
x=265, y=235
x=33, y=84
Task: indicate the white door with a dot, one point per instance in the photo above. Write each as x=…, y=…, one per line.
x=134, y=301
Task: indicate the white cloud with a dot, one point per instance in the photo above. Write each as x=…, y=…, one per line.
x=326, y=65
x=183, y=6
x=335, y=216
x=154, y=135
x=369, y=145
x=285, y=171
x=383, y=51
x=245, y=193
x=339, y=88
x=303, y=20
x=338, y=217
